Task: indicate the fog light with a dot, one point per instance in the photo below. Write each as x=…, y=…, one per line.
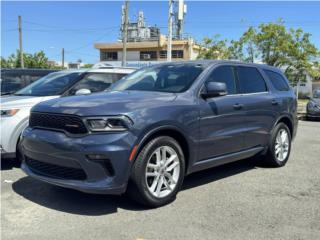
x=103, y=161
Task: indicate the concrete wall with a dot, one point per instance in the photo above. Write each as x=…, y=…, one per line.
x=306, y=87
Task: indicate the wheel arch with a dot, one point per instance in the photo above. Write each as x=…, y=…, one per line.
x=287, y=121
x=171, y=131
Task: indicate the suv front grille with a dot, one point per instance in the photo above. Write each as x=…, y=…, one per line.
x=55, y=171
x=68, y=123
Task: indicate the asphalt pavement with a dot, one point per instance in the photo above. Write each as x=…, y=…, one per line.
x=242, y=200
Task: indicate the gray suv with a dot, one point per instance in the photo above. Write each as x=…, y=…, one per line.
x=158, y=125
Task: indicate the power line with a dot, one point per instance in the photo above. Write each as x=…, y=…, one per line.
x=66, y=29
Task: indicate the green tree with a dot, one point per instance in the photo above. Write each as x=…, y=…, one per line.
x=301, y=56
x=36, y=60
x=245, y=49
x=273, y=44
x=87, y=65
x=214, y=48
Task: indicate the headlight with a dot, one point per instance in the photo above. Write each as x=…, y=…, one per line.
x=9, y=113
x=105, y=124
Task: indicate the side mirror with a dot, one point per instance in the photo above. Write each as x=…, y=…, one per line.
x=214, y=89
x=83, y=91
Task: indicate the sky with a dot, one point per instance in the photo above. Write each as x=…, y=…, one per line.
x=77, y=25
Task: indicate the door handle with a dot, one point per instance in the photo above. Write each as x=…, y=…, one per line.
x=238, y=106
x=274, y=102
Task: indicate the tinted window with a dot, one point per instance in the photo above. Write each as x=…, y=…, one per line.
x=10, y=82
x=250, y=80
x=96, y=82
x=50, y=85
x=225, y=75
x=163, y=78
x=277, y=80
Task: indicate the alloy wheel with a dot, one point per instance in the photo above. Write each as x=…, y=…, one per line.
x=162, y=171
x=282, y=145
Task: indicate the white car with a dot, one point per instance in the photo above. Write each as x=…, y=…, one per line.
x=15, y=109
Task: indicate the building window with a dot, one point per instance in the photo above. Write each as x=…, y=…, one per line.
x=148, y=55
x=109, y=56
x=174, y=54
x=163, y=54
x=177, y=53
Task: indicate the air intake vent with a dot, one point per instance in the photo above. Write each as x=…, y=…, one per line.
x=55, y=171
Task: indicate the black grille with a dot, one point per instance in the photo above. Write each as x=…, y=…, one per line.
x=71, y=124
x=55, y=171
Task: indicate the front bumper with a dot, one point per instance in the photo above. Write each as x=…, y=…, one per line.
x=5, y=154
x=313, y=113
x=55, y=158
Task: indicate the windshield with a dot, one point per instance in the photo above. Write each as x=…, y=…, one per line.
x=50, y=85
x=316, y=94
x=163, y=78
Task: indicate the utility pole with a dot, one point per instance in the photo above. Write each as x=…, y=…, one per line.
x=20, y=42
x=62, y=55
x=169, y=41
x=125, y=34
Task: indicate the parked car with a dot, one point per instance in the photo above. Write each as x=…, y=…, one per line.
x=313, y=106
x=13, y=80
x=159, y=124
x=15, y=109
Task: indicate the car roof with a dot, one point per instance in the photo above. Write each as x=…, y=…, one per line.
x=207, y=63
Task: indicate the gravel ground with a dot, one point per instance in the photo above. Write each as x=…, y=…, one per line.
x=241, y=200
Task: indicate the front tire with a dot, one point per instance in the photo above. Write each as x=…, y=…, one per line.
x=279, y=146
x=158, y=172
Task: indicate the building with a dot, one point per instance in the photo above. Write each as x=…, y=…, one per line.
x=305, y=88
x=145, y=45
x=185, y=49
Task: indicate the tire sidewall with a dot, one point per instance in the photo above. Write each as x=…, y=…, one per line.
x=279, y=127
x=146, y=153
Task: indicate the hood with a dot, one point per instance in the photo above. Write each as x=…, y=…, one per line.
x=105, y=103
x=12, y=101
x=316, y=100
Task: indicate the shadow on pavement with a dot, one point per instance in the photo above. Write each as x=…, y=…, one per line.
x=220, y=172
x=71, y=201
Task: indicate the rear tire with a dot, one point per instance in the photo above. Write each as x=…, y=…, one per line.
x=279, y=146
x=158, y=172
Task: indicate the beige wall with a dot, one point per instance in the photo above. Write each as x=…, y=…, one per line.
x=190, y=49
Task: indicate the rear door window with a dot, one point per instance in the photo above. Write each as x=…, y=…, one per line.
x=225, y=75
x=278, y=81
x=250, y=80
